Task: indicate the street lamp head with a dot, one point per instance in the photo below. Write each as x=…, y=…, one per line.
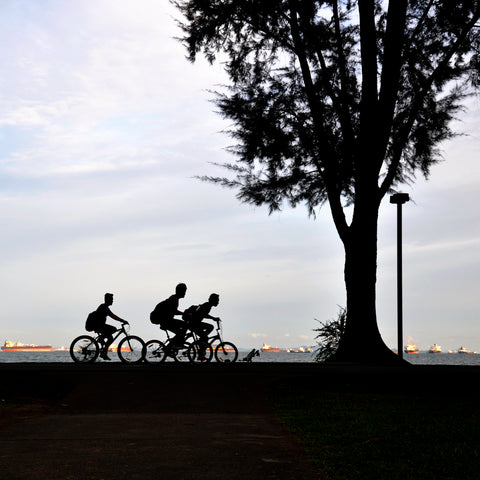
x=399, y=198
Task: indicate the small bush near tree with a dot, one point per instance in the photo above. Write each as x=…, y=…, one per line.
x=329, y=334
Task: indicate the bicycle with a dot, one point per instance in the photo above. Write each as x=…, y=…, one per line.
x=159, y=352
x=224, y=352
x=193, y=349
x=86, y=348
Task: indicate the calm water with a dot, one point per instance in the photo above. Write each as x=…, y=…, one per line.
x=419, y=359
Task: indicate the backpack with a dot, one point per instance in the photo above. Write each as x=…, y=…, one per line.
x=189, y=313
x=158, y=314
x=93, y=322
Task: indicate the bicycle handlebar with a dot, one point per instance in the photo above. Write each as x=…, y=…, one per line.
x=124, y=327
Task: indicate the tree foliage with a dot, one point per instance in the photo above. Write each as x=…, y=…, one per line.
x=314, y=82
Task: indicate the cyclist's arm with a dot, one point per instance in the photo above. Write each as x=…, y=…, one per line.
x=116, y=317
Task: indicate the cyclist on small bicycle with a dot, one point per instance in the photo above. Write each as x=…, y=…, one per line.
x=165, y=311
x=105, y=330
x=200, y=328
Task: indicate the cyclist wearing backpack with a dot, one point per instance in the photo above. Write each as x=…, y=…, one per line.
x=104, y=329
x=196, y=324
x=165, y=311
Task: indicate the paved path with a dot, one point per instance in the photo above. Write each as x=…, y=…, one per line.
x=119, y=422
x=157, y=446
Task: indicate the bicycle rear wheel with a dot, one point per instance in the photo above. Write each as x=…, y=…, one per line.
x=200, y=352
x=131, y=349
x=154, y=351
x=226, y=352
x=84, y=349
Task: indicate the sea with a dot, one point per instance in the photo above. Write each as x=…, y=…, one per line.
x=422, y=358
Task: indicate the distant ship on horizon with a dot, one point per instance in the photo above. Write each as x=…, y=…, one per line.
x=9, y=346
x=463, y=350
x=411, y=348
x=268, y=349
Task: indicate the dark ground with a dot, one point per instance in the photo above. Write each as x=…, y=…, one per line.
x=176, y=421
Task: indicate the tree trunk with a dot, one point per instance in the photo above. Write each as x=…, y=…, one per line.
x=362, y=341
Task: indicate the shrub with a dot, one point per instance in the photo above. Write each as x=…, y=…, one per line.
x=329, y=334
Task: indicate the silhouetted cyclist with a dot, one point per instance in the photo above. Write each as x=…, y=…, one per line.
x=165, y=311
x=102, y=327
x=200, y=328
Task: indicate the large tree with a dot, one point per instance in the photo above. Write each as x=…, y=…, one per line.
x=338, y=101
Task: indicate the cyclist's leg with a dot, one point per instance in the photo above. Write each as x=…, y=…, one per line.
x=203, y=330
x=170, y=350
x=169, y=347
x=178, y=328
x=206, y=330
x=106, y=334
x=199, y=351
x=180, y=331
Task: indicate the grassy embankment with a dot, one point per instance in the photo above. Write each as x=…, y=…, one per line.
x=355, y=435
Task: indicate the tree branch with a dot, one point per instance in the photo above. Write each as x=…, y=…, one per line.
x=390, y=77
x=368, y=50
x=330, y=171
x=344, y=113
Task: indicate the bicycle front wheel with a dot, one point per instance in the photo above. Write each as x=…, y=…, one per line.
x=131, y=349
x=155, y=351
x=226, y=352
x=200, y=352
x=84, y=349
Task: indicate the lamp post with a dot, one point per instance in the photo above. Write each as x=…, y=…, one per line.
x=399, y=199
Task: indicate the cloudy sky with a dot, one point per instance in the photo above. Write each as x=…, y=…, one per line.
x=103, y=126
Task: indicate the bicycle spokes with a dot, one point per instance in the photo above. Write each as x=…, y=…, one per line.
x=226, y=352
x=131, y=349
x=84, y=349
x=155, y=351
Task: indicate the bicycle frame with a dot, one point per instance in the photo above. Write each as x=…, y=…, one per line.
x=218, y=336
x=99, y=338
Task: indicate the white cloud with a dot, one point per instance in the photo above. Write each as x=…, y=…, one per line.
x=258, y=335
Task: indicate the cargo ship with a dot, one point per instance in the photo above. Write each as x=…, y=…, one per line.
x=464, y=351
x=9, y=346
x=411, y=348
x=268, y=349
x=300, y=350
x=435, y=349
